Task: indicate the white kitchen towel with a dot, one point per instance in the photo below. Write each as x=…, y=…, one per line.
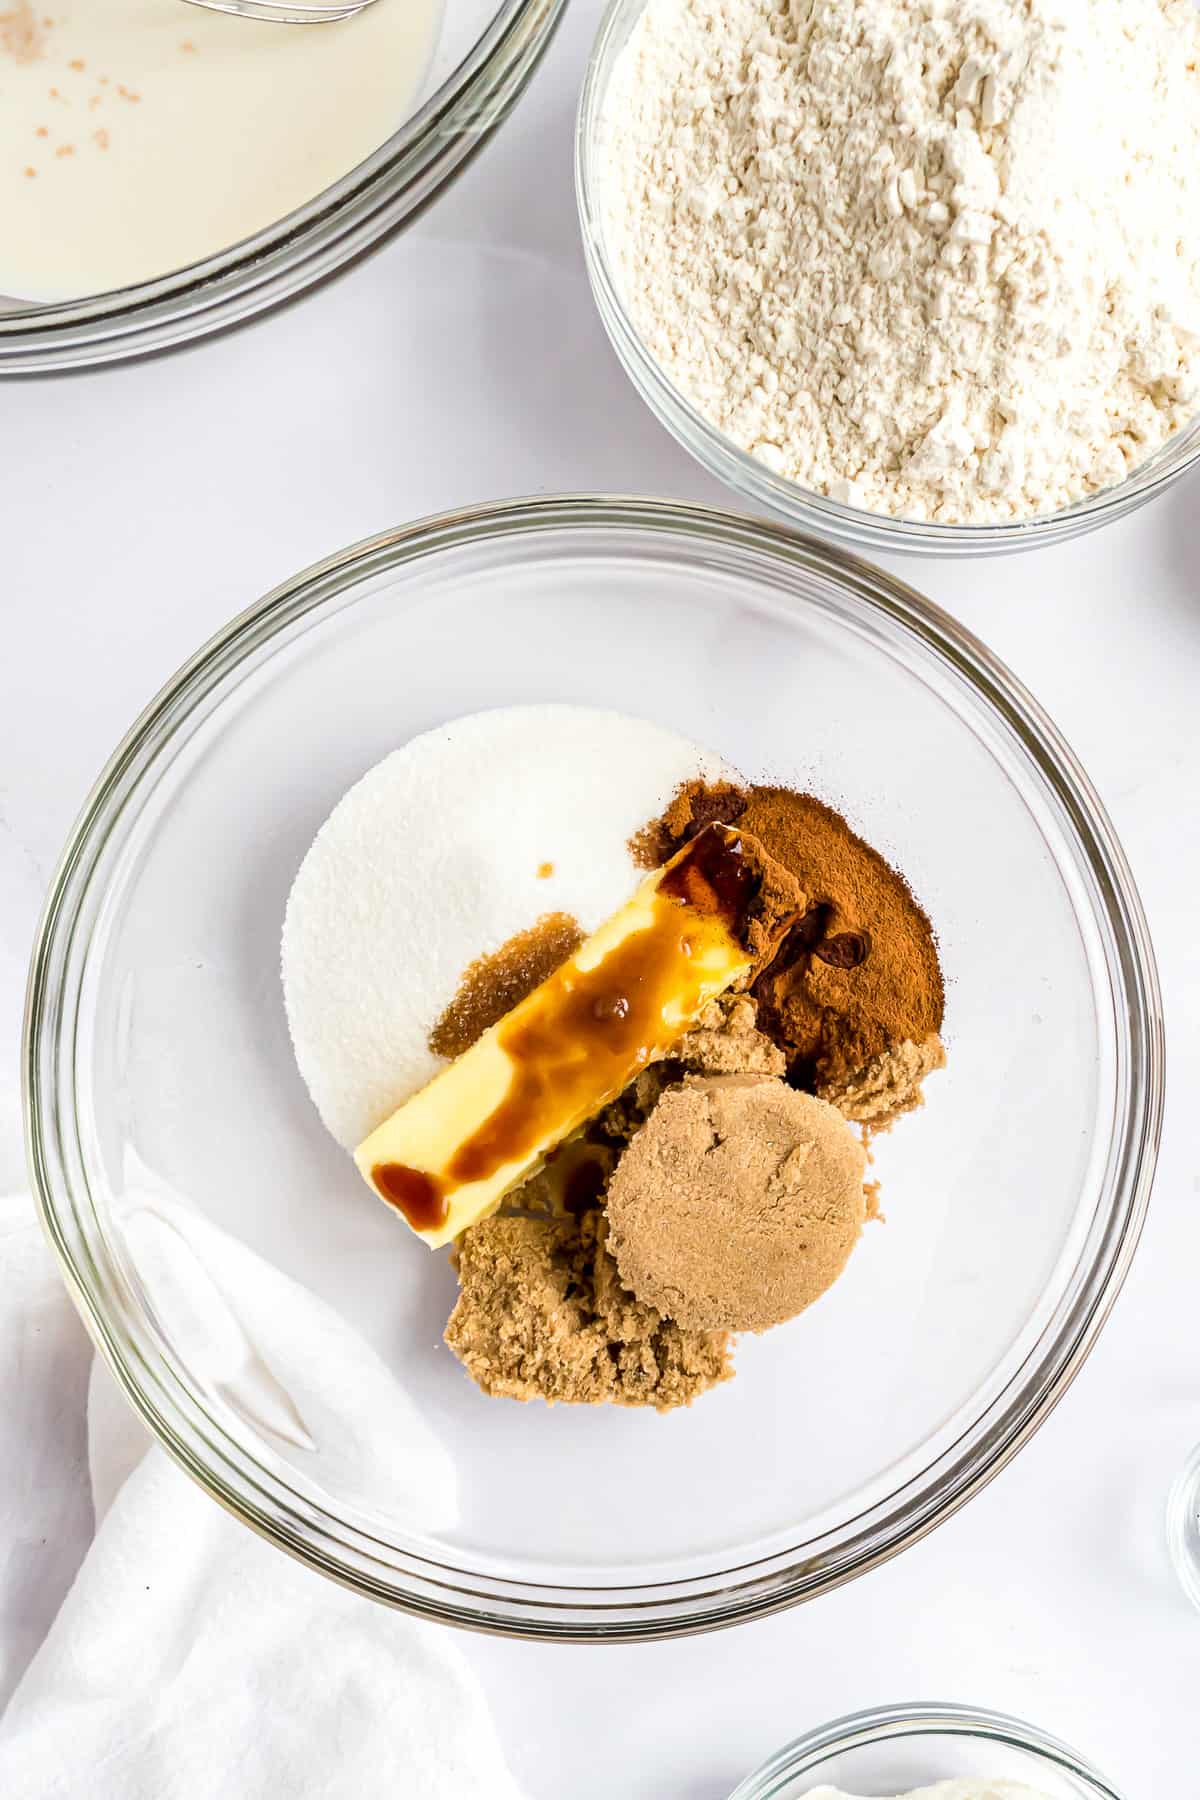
x=190, y=1660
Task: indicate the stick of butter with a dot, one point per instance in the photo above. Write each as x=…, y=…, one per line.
x=448, y=1156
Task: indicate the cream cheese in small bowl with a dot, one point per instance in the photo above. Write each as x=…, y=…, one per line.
x=927, y=1752
x=945, y=1790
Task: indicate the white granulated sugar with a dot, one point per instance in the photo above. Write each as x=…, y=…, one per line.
x=934, y=258
x=432, y=860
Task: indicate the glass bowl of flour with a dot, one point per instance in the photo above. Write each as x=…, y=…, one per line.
x=193, y=1193
x=874, y=269
x=926, y=1752
x=169, y=171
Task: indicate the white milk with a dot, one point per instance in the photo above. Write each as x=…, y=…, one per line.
x=137, y=136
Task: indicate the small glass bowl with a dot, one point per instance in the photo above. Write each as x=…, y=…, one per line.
x=158, y=1058
x=485, y=54
x=890, y=1750
x=1183, y=1526
x=874, y=532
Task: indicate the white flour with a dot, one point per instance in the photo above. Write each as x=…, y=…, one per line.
x=937, y=258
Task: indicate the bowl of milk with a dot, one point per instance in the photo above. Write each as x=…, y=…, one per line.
x=166, y=170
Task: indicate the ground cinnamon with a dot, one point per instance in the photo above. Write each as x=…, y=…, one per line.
x=858, y=975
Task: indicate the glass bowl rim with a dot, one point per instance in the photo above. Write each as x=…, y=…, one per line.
x=725, y=460
x=947, y=1719
x=314, y=241
x=1182, y=1508
x=283, y=1512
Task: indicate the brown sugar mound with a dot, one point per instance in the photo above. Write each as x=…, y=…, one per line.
x=889, y=1086
x=858, y=975
x=492, y=985
x=542, y=1314
x=725, y=1040
x=573, y=1179
x=737, y=1204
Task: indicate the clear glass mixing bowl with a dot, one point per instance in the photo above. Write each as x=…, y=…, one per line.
x=158, y=1053
x=893, y=1749
x=744, y=473
x=485, y=53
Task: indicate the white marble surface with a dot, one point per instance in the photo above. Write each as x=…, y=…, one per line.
x=142, y=506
